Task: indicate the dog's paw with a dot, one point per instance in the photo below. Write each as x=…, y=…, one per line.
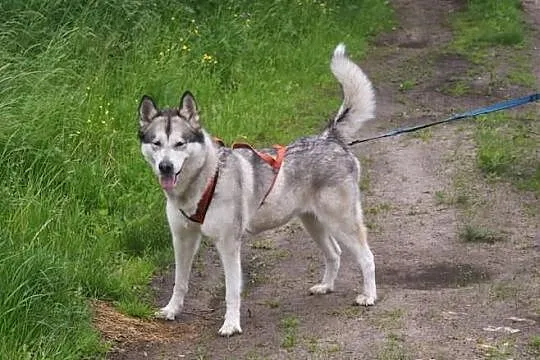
x=167, y=313
x=364, y=300
x=229, y=328
x=320, y=289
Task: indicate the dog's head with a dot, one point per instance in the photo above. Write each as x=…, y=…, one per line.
x=171, y=139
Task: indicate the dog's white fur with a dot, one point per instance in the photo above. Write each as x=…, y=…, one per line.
x=329, y=212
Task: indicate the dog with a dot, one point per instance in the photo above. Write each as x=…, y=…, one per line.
x=222, y=193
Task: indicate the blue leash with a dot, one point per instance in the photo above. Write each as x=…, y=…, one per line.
x=507, y=104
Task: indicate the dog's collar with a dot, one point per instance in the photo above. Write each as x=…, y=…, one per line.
x=204, y=202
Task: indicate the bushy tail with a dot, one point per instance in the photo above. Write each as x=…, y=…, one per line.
x=358, y=97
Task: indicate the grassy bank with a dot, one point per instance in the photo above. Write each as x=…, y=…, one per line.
x=81, y=216
x=507, y=143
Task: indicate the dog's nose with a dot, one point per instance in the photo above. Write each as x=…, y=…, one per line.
x=166, y=167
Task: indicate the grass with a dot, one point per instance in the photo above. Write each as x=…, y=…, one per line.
x=457, y=88
x=446, y=198
x=484, y=24
x=263, y=244
x=504, y=291
x=272, y=303
x=347, y=311
x=485, y=31
x=289, y=326
x=424, y=134
x=321, y=349
x=393, y=349
x=534, y=345
x=500, y=350
x=479, y=234
x=508, y=149
x=406, y=85
x=379, y=208
x=80, y=215
x=391, y=319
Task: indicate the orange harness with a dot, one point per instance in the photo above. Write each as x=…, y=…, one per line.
x=274, y=161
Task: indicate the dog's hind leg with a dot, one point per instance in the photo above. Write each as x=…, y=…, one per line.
x=343, y=218
x=330, y=249
x=352, y=233
x=229, y=252
x=364, y=256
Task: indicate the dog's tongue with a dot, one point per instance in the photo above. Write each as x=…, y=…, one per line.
x=167, y=183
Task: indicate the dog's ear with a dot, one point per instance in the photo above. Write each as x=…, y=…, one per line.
x=188, y=109
x=147, y=111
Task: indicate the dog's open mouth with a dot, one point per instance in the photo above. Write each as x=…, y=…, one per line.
x=168, y=182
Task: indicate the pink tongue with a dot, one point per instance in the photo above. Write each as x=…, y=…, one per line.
x=167, y=183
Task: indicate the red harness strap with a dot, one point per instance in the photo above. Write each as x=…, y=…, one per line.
x=206, y=198
x=204, y=202
x=274, y=161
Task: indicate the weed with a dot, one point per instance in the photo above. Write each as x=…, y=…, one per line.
x=289, y=327
x=406, y=85
x=312, y=344
x=534, y=344
x=364, y=182
x=461, y=199
x=364, y=176
x=507, y=148
x=457, y=88
x=322, y=349
x=271, y=303
x=201, y=353
x=479, y=234
x=263, y=244
x=500, y=350
x=522, y=77
x=441, y=198
x=389, y=319
x=373, y=227
x=393, y=349
x=444, y=198
x=378, y=209
x=349, y=312
x=424, y=134
x=503, y=291
x=138, y=309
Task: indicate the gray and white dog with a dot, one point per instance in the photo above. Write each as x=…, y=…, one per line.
x=317, y=183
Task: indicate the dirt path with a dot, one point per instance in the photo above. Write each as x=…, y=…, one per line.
x=438, y=295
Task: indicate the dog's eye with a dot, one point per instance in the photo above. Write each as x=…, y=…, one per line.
x=179, y=144
x=157, y=143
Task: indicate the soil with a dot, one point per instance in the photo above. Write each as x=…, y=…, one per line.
x=439, y=297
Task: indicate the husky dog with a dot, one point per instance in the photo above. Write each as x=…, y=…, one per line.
x=317, y=183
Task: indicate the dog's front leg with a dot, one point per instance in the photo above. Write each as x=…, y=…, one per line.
x=185, y=245
x=229, y=251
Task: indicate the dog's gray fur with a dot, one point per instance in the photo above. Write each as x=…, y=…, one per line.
x=318, y=183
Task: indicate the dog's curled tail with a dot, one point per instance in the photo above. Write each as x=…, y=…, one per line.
x=358, y=96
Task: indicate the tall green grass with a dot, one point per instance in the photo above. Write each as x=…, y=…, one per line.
x=81, y=216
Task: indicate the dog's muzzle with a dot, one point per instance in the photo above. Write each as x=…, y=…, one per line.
x=167, y=177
